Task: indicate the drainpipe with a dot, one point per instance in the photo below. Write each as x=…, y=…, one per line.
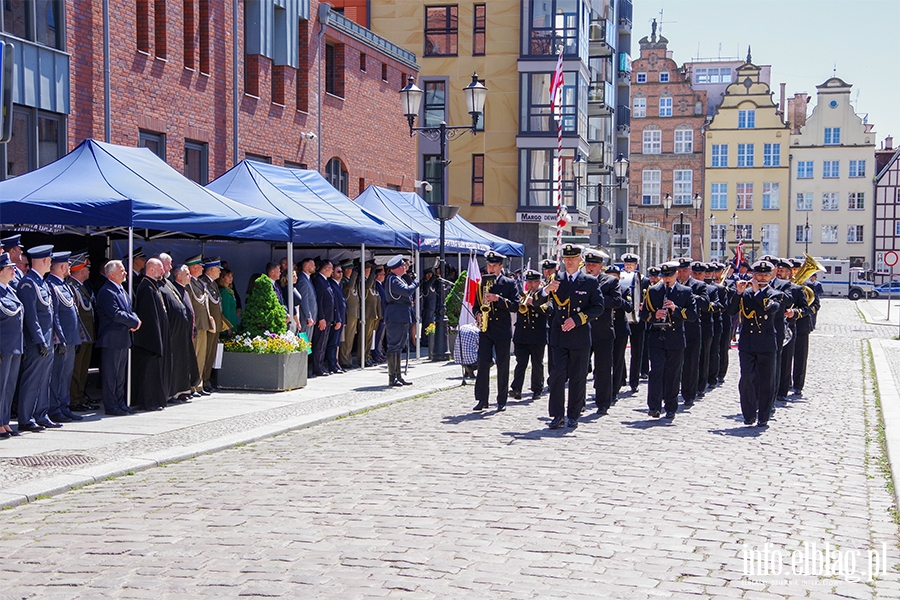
x=324, y=12
x=107, y=126
x=235, y=97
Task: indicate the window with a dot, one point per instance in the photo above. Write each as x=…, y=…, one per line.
x=682, y=188
x=441, y=29
x=651, y=181
x=854, y=234
x=143, y=26
x=684, y=141
x=743, y=232
x=294, y=165
x=665, y=106
x=642, y=78
x=434, y=174
x=681, y=241
x=652, y=141
x=804, y=169
x=479, y=30
x=717, y=244
x=362, y=62
x=856, y=201
x=768, y=239
x=204, y=37
x=719, y=199
x=156, y=142
x=384, y=72
x=745, y=155
x=478, y=179
x=831, y=169
x=538, y=178
x=746, y=119
x=302, y=75
x=334, y=69
x=535, y=100
x=722, y=75
x=196, y=159
x=190, y=25
x=744, y=196
x=555, y=23
x=336, y=175
x=832, y=136
x=664, y=77
x=771, y=196
x=434, y=103
x=719, y=155
x=159, y=18
x=857, y=168
x=640, y=108
x=804, y=200
x=897, y=229
x=258, y=158
x=771, y=155
x=829, y=234
x=830, y=201
x=801, y=234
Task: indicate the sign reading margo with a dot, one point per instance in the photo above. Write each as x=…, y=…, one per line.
x=546, y=217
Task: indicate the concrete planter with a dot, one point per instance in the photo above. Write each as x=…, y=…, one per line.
x=263, y=372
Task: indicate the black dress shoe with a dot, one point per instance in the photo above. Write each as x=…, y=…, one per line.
x=571, y=423
x=72, y=416
x=14, y=433
x=115, y=412
x=49, y=424
x=762, y=424
x=403, y=381
x=653, y=413
x=501, y=407
x=688, y=403
x=669, y=415
x=515, y=395
x=60, y=418
x=4, y=434
x=749, y=421
x=395, y=383
x=184, y=399
x=557, y=422
x=481, y=406
x=634, y=389
x=602, y=412
x=207, y=389
x=32, y=427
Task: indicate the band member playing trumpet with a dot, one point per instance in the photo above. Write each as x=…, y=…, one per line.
x=530, y=338
x=498, y=299
x=603, y=336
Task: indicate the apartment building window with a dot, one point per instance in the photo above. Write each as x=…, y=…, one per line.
x=434, y=174
x=554, y=23
x=640, y=108
x=713, y=75
x=362, y=62
x=854, y=234
x=159, y=18
x=142, y=20
x=719, y=199
x=771, y=155
x=336, y=174
x=831, y=169
x=196, y=161
x=744, y=196
x=857, y=168
x=203, y=25
x=804, y=200
x=717, y=243
x=771, y=196
x=768, y=239
x=652, y=142
x=189, y=30
x=664, y=77
x=830, y=201
x=441, y=30
x=682, y=186
x=156, y=142
x=746, y=119
x=479, y=30
x=334, y=69
x=745, y=155
x=829, y=234
x=743, y=232
x=641, y=78
x=832, y=136
x=650, y=186
x=665, y=106
x=684, y=141
x=435, y=106
x=801, y=234
x=719, y=155
x=535, y=96
x=856, y=201
x=266, y=160
x=804, y=169
x=478, y=179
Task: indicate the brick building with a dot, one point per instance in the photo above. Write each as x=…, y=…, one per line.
x=206, y=83
x=667, y=120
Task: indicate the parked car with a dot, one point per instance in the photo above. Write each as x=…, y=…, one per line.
x=888, y=287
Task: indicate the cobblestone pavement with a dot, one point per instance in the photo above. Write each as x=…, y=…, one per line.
x=424, y=499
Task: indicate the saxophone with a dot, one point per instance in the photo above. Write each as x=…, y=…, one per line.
x=486, y=282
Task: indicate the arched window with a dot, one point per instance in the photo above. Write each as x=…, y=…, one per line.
x=336, y=174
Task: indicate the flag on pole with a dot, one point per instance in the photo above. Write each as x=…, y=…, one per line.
x=556, y=84
x=738, y=255
x=470, y=295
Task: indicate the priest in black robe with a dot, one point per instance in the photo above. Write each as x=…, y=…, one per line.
x=184, y=374
x=150, y=359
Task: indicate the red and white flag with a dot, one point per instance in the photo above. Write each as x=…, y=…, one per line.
x=556, y=84
x=470, y=296
x=738, y=255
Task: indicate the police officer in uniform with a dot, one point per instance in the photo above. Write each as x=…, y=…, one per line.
x=12, y=319
x=398, y=316
x=69, y=336
x=530, y=337
x=576, y=300
x=203, y=321
x=759, y=307
x=498, y=302
x=602, y=332
x=12, y=246
x=212, y=268
x=693, y=332
x=666, y=307
x=79, y=273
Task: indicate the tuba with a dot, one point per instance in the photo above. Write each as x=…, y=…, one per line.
x=807, y=269
x=487, y=281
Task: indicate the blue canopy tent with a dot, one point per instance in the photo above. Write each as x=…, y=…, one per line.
x=100, y=186
x=410, y=210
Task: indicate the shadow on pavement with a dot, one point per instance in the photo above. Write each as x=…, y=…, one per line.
x=648, y=423
x=470, y=416
x=743, y=431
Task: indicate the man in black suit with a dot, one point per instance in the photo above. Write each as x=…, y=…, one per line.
x=759, y=307
x=693, y=331
x=576, y=300
x=117, y=321
x=666, y=307
x=498, y=302
x=324, y=319
x=602, y=333
x=530, y=337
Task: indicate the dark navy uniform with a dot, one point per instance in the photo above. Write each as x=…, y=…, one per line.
x=398, y=316
x=12, y=319
x=603, y=339
x=37, y=361
x=693, y=335
x=720, y=322
x=707, y=327
x=69, y=336
x=495, y=341
x=84, y=302
x=805, y=325
x=325, y=312
x=637, y=284
x=623, y=330
x=530, y=341
x=801, y=308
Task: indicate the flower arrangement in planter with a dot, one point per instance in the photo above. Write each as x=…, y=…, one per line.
x=268, y=343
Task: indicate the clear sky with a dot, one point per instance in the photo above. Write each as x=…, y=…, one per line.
x=803, y=40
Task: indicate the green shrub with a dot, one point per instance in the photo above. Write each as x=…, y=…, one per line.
x=262, y=311
x=454, y=300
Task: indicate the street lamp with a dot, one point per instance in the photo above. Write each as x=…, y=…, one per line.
x=806, y=234
x=411, y=100
x=712, y=233
x=579, y=170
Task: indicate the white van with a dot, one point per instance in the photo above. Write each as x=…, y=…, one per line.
x=840, y=279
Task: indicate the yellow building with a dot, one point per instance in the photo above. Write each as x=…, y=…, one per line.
x=747, y=172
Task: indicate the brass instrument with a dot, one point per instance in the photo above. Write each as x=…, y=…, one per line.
x=487, y=281
x=523, y=303
x=809, y=267
x=725, y=274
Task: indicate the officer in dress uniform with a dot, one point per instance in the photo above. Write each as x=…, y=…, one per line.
x=11, y=245
x=12, y=319
x=653, y=277
x=576, y=300
x=79, y=273
x=204, y=325
x=693, y=332
x=758, y=306
x=805, y=325
x=325, y=313
x=548, y=271
x=68, y=338
x=729, y=326
x=707, y=323
x=602, y=332
x=634, y=282
x=138, y=261
x=799, y=309
x=498, y=302
x=530, y=337
x=212, y=268
x=398, y=316
x=350, y=289
x=666, y=307
x=40, y=326
x=622, y=328
x=718, y=299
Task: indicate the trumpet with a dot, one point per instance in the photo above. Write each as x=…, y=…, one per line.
x=523, y=303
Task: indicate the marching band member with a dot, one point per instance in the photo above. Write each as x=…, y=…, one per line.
x=498, y=302
x=530, y=337
x=602, y=332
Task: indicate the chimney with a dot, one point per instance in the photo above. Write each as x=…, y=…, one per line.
x=889, y=143
x=781, y=105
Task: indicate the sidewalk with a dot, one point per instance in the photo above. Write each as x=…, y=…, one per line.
x=99, y=447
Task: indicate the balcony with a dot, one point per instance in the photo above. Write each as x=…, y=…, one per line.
x=601, y=33
x=623, y=121
x=624, y=68
x=601, y=95
x=624, y=11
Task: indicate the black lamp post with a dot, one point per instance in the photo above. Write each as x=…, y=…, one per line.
x=712, y=233
x=806, y=234
x=579, y=170
x=411, y=97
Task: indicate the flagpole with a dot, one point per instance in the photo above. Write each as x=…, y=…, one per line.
x=556, y=85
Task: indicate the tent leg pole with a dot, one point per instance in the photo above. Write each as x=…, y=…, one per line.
x=419, y=330
x=361, y=278
x=131, y=297
x=290, y=299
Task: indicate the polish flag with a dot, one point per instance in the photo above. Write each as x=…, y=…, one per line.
x=738, y=255
x=556, y=83
x=470, y=296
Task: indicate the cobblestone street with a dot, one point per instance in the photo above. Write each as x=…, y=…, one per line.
x=425, y=499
